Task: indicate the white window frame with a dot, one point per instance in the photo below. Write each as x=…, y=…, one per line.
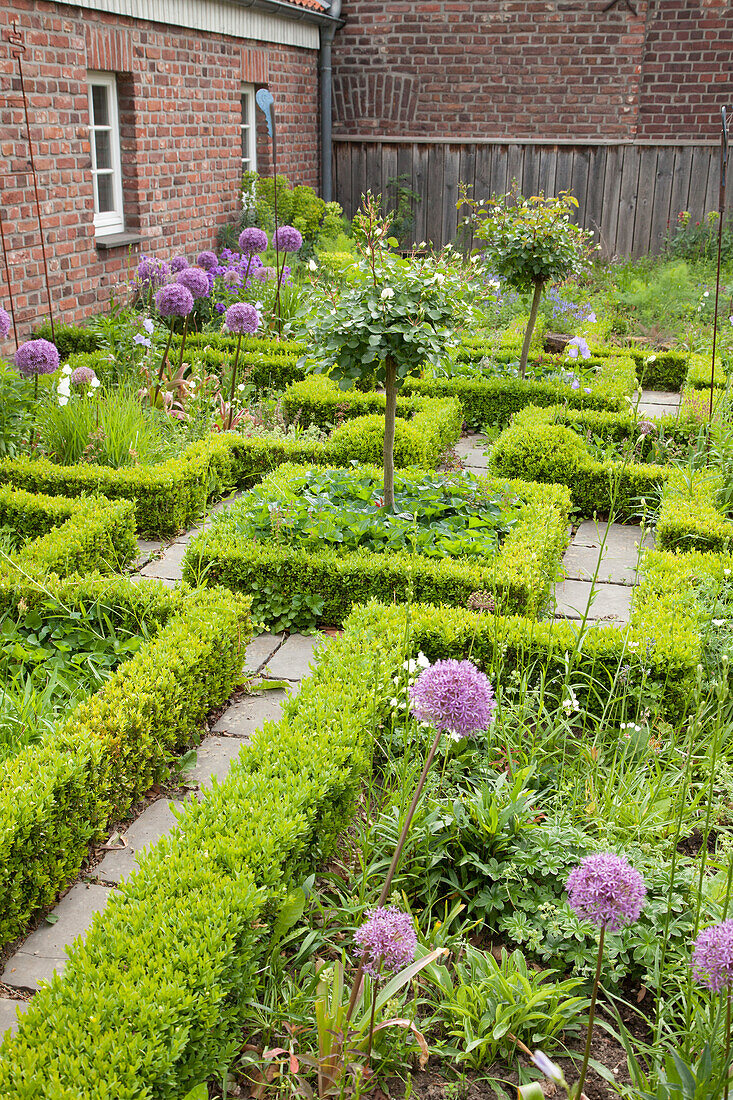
x=109, y=221
x=248, y=131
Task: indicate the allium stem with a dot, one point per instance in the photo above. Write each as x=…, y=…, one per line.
x=727, y=1043
x=162, y=366
x=234, y=383
x=371, y=1021
x=183, y=344
x=591, y=1017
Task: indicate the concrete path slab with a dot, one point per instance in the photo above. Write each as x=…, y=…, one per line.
x=154, y=822
x=620, y=538
x=44, y=952
x=580, y=563
x=214, y=757
x=651, y=410
x=610, y=601
x=10, y=1011
x=147, y=549
x=249, y=714
x=660, y=397
x=293, y=659
x=261, y=649
x=163, y=570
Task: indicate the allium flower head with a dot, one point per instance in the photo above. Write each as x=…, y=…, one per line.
x=37, y=357
x=287, y=239
x=232, y=277
x=454, y=696
x=607, y=890
x=178, y=263
x=5, y=324
x=174, y=300
x=264, y=274
x=196, y=280
x=387, y=940
x=712, y=956
x=646, y=427
x=150, y=272
x=252, y=241
x=242, y=318
x=82, y=376
x=207, y=260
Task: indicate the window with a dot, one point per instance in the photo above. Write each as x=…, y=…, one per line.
x=104, y=135
x=248, y=128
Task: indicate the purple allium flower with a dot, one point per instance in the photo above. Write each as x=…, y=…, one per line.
x=174, y=300
x=207, y=260
x=232, y=277
x=82, y=376
x=5, y=324
x=242, y=318
x=151, y=273
x=387, y=939
x=606, y=890
x=712, y=956
x=264, y=274
x=455, y=696
x=37, y=357
x=178, y=263
x=196, y=280
x=646, y=427
x=252, y=241
x=287, y=239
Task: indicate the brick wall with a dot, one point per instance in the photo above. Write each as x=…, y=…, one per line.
x=491, y=68
x=179, y=104
x=538, y=69
x=687, y=73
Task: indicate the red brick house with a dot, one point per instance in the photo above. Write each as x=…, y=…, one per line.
x=142, y=118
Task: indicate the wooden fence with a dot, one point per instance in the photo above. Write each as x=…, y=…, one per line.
x=629, y=193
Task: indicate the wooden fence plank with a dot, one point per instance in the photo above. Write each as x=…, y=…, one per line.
x=514, y=166
x=662, y=225
x=342, y=175
x=644, y=202
x=405, y=166
x=467, y=178
x=563, y=169
x=611, y=197
x=579, y=180
x=374, y=169
x=593, y=213
x=699, y=172
x=482, y=176
x=500, y=183
x=680, y=184
x=358, y=175
x=531, y=173
x=451, y=172
x=420, y=184
x=627, y=200
x=548, y=167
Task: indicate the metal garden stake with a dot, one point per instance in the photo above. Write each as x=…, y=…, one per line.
x=265, y=101
x=721, y=211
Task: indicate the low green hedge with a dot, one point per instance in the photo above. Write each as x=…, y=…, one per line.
x=68, y=536
x=547, y=445
x=170, y=495
x=149, y=1002
x=690, y=517
x=57, y=796
x=495, y=400
x=69, y=339
x=520, y=575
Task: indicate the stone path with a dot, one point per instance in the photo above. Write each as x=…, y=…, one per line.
x=658, y=403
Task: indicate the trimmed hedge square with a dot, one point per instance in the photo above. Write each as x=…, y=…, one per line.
x=519, y=576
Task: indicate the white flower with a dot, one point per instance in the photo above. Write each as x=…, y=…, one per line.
x=387, y=293
x=95, y=383
x=312, y=265
x=439, y=278
x=719, y=622
x=64, y=387
x=66, y=369
x=706, y=294
x=63, y=400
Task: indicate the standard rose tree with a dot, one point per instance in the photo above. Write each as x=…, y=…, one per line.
x=394, y=316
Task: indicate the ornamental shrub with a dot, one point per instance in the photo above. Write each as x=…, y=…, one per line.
x=529, y=242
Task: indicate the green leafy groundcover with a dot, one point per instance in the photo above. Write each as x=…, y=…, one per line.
x=512, y=550
x=51, y=657
x=435, y=514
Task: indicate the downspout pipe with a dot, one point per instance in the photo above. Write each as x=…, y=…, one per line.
x=327, y=33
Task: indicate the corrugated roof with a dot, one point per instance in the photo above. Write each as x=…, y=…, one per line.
x=314, y=5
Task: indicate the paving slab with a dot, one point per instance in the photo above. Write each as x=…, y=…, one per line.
x=261, y=649
x=661, y=397
x=620, y=537
x=293, y=659
x=214, y=757
x=580, y=563
x=44, y=952
x=611, y=601
x=249, y=714
x=10, y=1011
x=162, y=570
x=147, y=549
x=650, y=410
x=154, y=822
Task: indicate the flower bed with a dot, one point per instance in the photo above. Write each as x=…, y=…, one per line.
x=65, y=536
x=170, y=495
x=690, y=517
x=58, y=795
x=303, y=584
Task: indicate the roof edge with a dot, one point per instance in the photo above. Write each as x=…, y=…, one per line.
x=291, y=11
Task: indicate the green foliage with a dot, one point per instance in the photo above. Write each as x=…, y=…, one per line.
x=486, y=1005
x=106, y=428
x=699, y=240
x=16, y=406
x=58, y=796
x=519, y=575
x=319, y=222
x=530, y=241
x=69, y=339
x=152, y=1000
x=670, y=292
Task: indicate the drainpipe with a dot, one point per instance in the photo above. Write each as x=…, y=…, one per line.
x=327, y=33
